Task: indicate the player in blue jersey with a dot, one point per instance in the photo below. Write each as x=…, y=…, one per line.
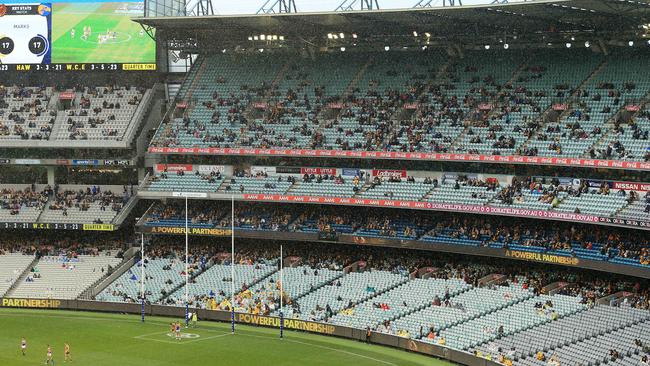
x=177, y=328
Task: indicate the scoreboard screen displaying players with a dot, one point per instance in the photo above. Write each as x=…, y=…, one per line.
x=74, y=36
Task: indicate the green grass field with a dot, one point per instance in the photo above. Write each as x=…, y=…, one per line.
x=111, y=339
x=130, y=45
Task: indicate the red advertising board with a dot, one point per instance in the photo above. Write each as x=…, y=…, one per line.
x=411, y=106
x=631, y=186
x=174, y=167
x=335, y=105
x=451, y=207
x=66, y=96
x=318, y=171
x=389, y=173
x=506, y=211
x=507, y=159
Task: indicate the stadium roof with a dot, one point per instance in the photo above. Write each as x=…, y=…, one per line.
x=533, y=21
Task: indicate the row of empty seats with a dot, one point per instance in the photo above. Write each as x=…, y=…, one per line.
x=408, y=297
x=162, y=276
x=458, y=309
x=94, y=113
x=510, y=319
x=577, y=327
x=12, y=265
x=64, y=278
x=596, y=350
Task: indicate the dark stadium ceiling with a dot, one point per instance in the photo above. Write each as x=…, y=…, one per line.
x=524, y=23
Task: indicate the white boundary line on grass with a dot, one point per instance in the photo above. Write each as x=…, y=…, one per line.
x=206, y=338
x=145, y=337
x=142, y=336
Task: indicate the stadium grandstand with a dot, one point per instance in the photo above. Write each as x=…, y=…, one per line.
x=431, y=184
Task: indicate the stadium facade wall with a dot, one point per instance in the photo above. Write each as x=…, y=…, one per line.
x=413, y=205
x=500, y=253
x=406, y=344
x=568, y=261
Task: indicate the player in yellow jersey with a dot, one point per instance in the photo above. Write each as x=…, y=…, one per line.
x=195, y=319
x=66, y=353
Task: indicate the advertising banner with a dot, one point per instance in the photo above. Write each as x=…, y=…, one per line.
x=479, y=209
x=318, y=171
x=27, y=161
x=266, y=169
x=172, y=168
x=632, y=186
x=85, y=162
x=98, y=227
x=293, y=324
x=207, y=169
x=346, y=172
x=190, y=194
x=502, y=159
x=284, y=170
x=389, y=173
x=30, y=303
x=181, y=230
x=542, y=257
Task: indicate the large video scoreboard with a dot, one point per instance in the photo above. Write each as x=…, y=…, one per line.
x=74, y=35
